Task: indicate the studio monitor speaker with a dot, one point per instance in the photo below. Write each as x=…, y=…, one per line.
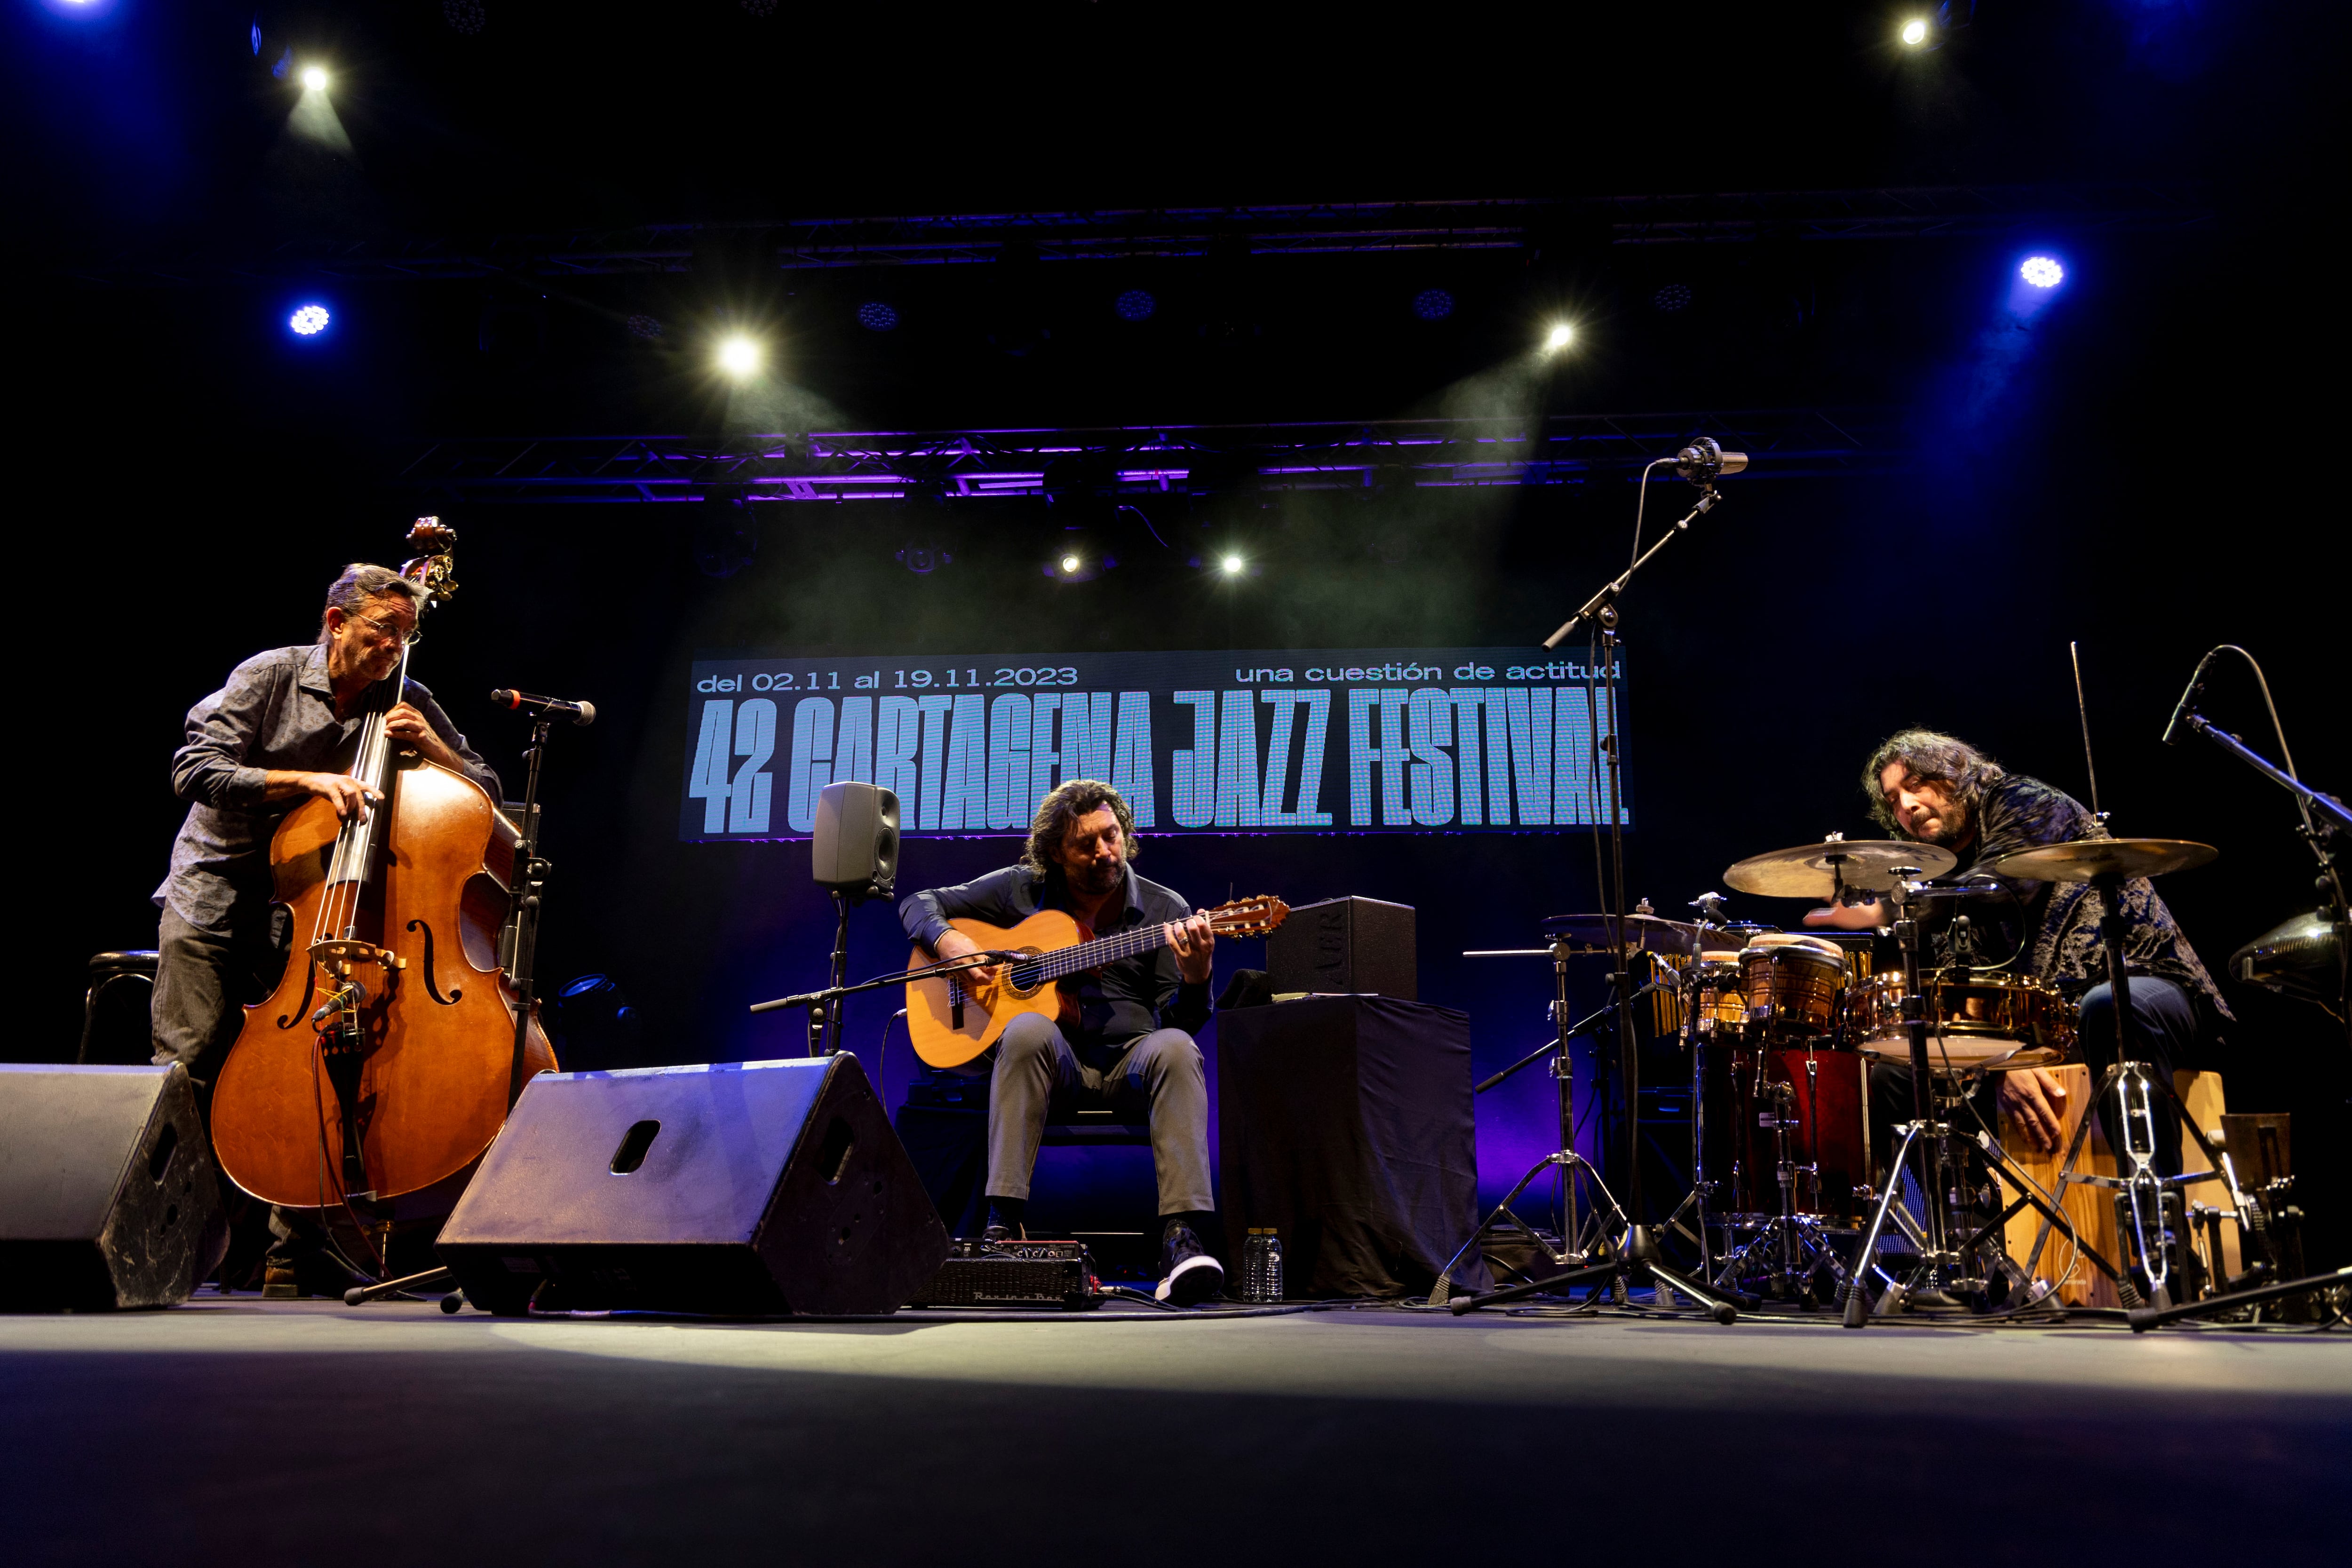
x=855, y=845
x=109, y=1195
x=741, y=1189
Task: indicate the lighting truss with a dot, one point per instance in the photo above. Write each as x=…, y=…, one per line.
x=1142, y=460
x=1938, y=212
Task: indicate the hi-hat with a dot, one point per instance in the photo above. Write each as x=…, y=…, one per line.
x=1818, y=871
x=1643, y=933
x=2090, y=858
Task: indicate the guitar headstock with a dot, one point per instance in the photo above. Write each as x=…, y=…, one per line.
x=1248, y=917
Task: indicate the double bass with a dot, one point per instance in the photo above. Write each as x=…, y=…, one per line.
x=370, y=1083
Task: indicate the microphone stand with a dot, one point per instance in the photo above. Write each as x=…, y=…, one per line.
x=1637, y=1258
x=832, y=994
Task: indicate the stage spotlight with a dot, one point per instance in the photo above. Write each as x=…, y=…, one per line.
x=1232, y=565
x=1135, y=305
x=2043, y=271
x=740, y=357
x=649, y=328
x=1914, y=32
x=314, y=79
x=1432, y=304
x=876, y=316
x=308, y=320
x=1070, y=565
x=1559, y=337
x=1672, y=297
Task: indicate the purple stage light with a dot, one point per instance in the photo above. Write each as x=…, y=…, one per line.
x=1135, y=305
x=2043, y=271
x=876, y=316
x=308, y=320
x=1432, y=304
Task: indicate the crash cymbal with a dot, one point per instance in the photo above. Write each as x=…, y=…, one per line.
x=1816, y=871
x=1643, y=933
x=2089, y=858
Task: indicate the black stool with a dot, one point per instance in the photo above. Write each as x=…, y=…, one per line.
x=105, y=970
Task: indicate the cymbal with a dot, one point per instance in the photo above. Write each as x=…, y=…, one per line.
x=1643, y=933
x=2088, y=858
x=1806, y=872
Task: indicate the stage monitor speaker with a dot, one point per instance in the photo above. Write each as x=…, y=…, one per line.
x=1345, y=946
x=746, y=1189
x=109, y=1195
x=853, y=847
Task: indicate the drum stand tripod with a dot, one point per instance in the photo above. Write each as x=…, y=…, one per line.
x=1582, y=1238
x=1938, y=1274
x=1794, y=1244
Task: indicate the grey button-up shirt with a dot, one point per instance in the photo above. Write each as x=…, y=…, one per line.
x=278, y=712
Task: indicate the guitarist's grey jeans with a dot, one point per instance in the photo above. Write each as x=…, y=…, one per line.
x=1032, y=1063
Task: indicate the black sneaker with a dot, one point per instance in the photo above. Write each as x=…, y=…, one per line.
x=1189, y=1274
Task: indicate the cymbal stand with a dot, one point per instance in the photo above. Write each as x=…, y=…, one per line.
x=2136, y=1084
x=1925, y=1290
x=1938, y=1274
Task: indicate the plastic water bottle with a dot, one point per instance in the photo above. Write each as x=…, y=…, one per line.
x=1270, y=1280
x=1253, y=1280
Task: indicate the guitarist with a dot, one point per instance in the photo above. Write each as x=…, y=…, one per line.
x=1125, y=1030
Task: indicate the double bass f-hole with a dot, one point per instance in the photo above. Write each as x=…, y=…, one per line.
x=310, y=989
x=431, y=988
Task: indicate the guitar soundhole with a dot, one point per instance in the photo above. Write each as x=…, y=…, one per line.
x=1025, y=979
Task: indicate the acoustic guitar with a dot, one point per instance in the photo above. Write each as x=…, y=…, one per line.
x=951, y=1018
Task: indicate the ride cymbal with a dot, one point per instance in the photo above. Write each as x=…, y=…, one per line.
x=2090, y=859
x=1816, y=870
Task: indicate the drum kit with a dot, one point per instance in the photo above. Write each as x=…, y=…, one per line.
x=1782, y=1027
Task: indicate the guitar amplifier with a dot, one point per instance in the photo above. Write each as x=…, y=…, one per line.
x=1037, y=1276
x=1344, y=946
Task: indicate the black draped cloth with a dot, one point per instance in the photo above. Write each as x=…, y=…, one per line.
x=1345, y=1123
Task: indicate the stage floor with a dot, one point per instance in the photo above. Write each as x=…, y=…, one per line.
x=310, y=1432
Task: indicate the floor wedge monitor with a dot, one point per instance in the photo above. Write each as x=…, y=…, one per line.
x=739, y=1189
x=109, y=1195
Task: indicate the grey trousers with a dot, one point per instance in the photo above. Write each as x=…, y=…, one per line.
x=202, y=982
x=1032, y=1062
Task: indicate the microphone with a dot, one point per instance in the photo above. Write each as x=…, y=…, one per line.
x=2188, y=700
x=1705, y=458
x=581, y=713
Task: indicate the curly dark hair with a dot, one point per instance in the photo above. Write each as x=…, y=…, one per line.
x=1936, y=757
x=1064, y=805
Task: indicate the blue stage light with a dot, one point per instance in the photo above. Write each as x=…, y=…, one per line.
x=2043, y=271
x=1432, y=304
x=876, y=316
x=308, y=320
x=1135, y=305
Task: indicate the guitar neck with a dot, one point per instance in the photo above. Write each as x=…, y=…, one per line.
x=1093, y=954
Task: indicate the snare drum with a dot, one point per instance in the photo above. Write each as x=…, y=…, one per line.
x=1981, y=1022
x=1792, y=983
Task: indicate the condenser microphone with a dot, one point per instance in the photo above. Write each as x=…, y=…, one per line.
x=581, y=713
x=2180, y=709
x=1705, y=458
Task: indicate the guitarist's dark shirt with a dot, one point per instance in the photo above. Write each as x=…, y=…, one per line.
x=1115, y=1002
